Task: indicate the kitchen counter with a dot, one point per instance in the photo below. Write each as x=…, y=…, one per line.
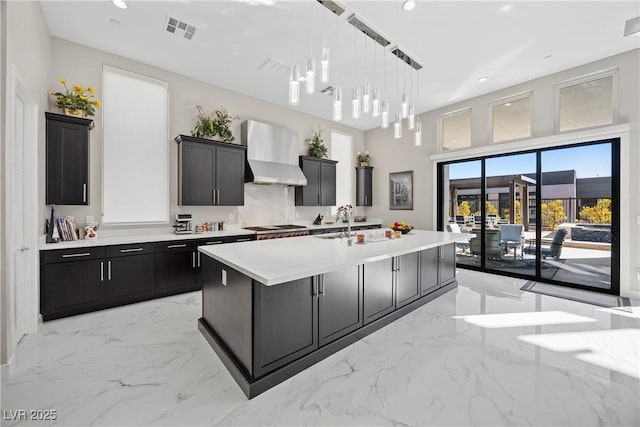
x=271, y=262
x=324, y=226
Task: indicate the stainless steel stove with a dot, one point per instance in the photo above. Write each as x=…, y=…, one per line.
x=265, y=232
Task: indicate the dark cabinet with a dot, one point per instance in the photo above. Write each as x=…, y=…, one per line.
x=130, y=277
x=379, y=293
x=429, y=260
x=340, y=303
x=210, y=172
x=407, y=284
x=285, y=322
x=176, y=266
x=321, y=182
x=447, y=270
x=364, y=186
x=67, y=159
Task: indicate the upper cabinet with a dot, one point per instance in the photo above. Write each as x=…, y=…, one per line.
x=364, y=186
x=67, y=162
x=321, y=182
x=210, y=173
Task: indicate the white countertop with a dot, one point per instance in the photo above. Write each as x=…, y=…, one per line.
x=281, y=260
x=342, y=224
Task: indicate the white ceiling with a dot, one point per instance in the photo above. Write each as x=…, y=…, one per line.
x=456, y=42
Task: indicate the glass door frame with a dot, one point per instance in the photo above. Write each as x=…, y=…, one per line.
x=615, y=213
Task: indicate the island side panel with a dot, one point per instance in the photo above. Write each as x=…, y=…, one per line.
x=227, y=308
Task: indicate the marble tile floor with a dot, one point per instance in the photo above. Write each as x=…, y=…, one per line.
x=484, y=354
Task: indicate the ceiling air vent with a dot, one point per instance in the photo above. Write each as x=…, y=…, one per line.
x=175, y=26
x=275, y=67
x=328, y=90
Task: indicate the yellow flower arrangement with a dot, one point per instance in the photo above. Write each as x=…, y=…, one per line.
x=77, y=99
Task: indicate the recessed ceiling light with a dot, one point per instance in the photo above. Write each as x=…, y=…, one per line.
x=119, y=3
x=508, y=104
x=483, y=79
x=114, y=21
x=506, y=8
x=408, y=5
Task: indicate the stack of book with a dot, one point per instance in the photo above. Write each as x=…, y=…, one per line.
x=67, y=229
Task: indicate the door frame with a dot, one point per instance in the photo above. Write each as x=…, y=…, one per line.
x=621, y=132
x=28, y=314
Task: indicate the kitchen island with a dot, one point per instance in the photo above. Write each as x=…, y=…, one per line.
x=272, y=308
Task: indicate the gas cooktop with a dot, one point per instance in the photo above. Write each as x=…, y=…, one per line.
x=282, y=227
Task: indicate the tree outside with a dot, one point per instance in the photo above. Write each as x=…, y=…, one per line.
x=553, y=214
x=464, y=208
x=598, y=214
x=491, y=210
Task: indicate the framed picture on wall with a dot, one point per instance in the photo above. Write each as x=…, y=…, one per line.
x=401, y=190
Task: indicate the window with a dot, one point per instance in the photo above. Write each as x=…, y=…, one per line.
x=135, y=144
x=587, y=101
x=455, y=130
x=511, y=118
x=342, y=151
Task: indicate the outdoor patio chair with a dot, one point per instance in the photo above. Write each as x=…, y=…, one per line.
x=493, y=249
x=554, y=249
x=460, y=220
x=462, y=246
x=512, y=237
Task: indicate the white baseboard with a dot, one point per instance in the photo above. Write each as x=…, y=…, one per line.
x=7, y=369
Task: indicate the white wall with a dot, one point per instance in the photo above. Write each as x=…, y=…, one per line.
x=263, y=204
x=28, y=48
x=390, y=155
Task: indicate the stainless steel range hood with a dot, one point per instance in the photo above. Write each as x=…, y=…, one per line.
x=272, y=154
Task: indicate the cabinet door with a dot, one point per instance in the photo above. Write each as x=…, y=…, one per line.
x=379, y=295
x=447, y=266
x=67, y=163
x=197, y=162
x=285, y=323
x=309, y=195
x=76, y=286
x=364, y=186
x=407, y=283
x=428, y=271
x=340, y=304
x=176, y=271
x=130, y=277
x=327, y=184
x=229, y=183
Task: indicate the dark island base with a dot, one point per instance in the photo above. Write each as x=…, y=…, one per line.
x=252, y=388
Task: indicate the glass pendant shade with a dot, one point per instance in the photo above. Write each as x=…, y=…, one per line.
x=397, y=127
x=294, y=86
x=337, y=104
x=310, y=76
x=356, y=103
x=324, y=65
x=366, y=99
x=417, y=136
x=412, y=118
x=375, y=104
x=385, y=115
x=404, y=107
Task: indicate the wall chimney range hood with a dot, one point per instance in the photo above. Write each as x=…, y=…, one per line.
x=272, y=154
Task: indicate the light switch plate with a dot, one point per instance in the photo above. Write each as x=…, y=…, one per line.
x=638, y=219
x=638, y=274
x=230, y=217
x=224, y=277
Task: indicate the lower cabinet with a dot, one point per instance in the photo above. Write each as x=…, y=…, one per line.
x=447, y=272
x=175, y=266
x=407, y=284
x=339, y=303
x=130, y=272
x=285, y=322
x=429, y=260
x=379, y=292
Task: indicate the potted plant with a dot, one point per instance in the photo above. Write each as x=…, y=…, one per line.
x=79, y=102
x=363, y=158
x=216, y=124
x=316, y=144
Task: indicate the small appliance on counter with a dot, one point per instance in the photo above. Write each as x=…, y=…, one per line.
x=183, y=224
x=318, y=219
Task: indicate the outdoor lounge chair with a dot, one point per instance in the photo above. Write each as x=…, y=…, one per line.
x=462, y=246
x=512, y=237
x=554, y=249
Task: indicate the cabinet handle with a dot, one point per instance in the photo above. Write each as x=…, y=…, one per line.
x=177, y=246
x=102, y=271
x=218, y=196
x=84, y=192
x=108, y=270
x=124, y=251
x=198, y=259
x=214, y=243
x=213, y=194
x=321, y=285
x=243, y=240
x=76, y=255
x=314, y=287
x=193, y=259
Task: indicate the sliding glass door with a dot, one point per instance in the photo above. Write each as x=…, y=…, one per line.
x=549, y=215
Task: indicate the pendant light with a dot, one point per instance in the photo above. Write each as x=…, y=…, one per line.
x=337, y=92
x=366, y=93
x=385, y=105
x=404, y=106
x=397, y=124
x=324, y=58
x=355, y=101
x=412, y=112
x=294, y=82
x=417, y=136
x=375, y=103
x=310, y=76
